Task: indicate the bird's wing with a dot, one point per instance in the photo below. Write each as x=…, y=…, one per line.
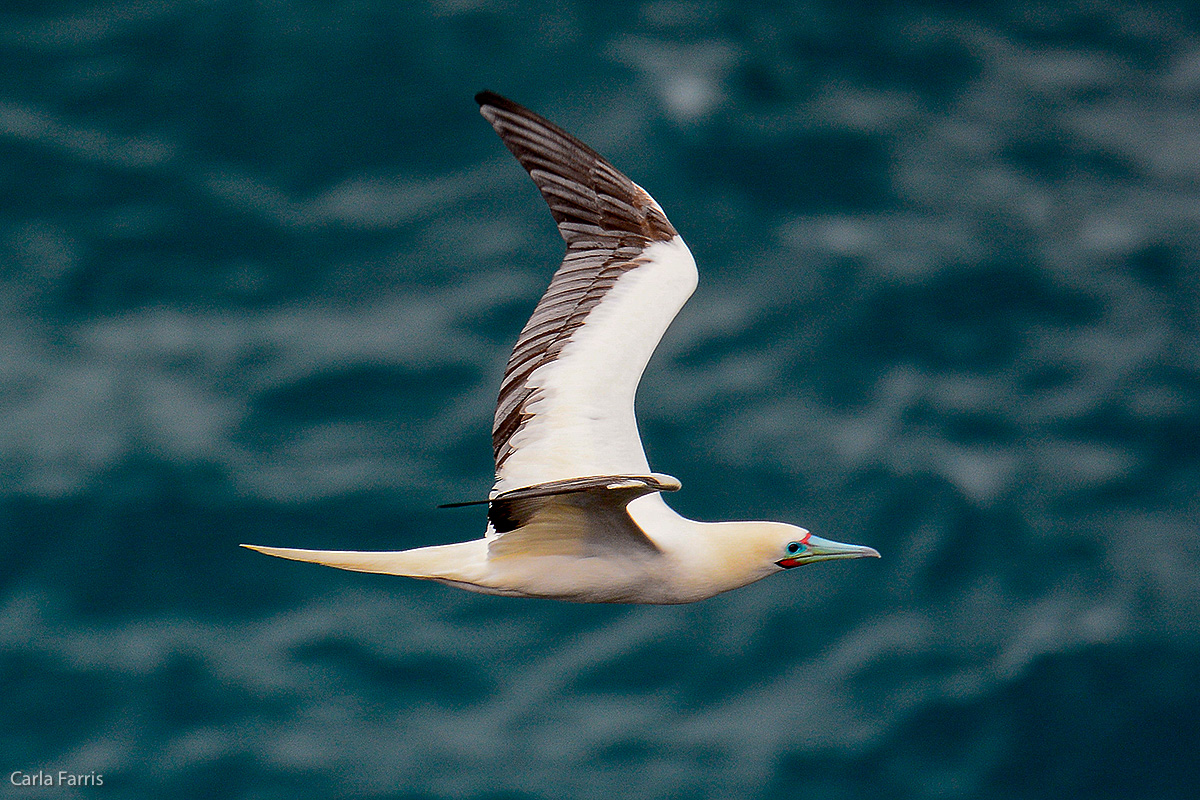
x=579, y=517
x=566, y=402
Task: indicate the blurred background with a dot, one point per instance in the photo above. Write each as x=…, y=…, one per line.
x=262, y=264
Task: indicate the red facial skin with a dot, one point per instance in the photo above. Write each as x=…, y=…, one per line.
x=788, y=563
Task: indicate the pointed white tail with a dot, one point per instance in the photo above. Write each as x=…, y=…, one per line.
x=449, y=561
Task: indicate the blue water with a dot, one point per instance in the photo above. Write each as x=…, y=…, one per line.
x=262, y=264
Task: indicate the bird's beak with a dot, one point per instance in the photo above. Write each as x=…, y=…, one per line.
x=824, y=550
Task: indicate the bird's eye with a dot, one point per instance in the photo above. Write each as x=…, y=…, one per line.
x=795, y=547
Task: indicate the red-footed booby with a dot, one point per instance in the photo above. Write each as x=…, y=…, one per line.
x=575, y=513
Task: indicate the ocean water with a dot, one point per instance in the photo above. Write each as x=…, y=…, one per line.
x=260, y=268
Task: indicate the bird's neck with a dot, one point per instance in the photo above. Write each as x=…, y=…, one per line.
x=709, y=557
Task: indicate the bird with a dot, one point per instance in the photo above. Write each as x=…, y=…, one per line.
x=575, y=513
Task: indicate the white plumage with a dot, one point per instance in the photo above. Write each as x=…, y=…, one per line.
x=576, y=513
x=582, y=418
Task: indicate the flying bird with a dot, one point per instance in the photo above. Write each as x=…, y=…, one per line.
x=575, y=513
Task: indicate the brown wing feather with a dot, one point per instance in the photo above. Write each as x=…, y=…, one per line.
x=606, y=220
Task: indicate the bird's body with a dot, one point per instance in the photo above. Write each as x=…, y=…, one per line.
x=575, y=513
x=690, y=560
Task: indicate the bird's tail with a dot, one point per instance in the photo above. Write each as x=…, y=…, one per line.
x=448, y=561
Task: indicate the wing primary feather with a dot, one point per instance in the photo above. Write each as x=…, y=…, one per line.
x=651, y=483
x=464, y=503
x=657, y=482
x=594, y=193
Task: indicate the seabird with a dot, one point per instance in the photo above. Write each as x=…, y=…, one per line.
x=575, y=513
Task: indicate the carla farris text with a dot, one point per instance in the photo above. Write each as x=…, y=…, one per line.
x=60, y=778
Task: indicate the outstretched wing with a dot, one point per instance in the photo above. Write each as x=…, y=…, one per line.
x=566, y=402
x=579, y=517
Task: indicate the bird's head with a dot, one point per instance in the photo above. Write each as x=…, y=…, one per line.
x=794, y=547
x=738, y=553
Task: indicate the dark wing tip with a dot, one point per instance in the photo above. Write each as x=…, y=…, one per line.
x=490, y=99
x=487, y=98
x=587, y=195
